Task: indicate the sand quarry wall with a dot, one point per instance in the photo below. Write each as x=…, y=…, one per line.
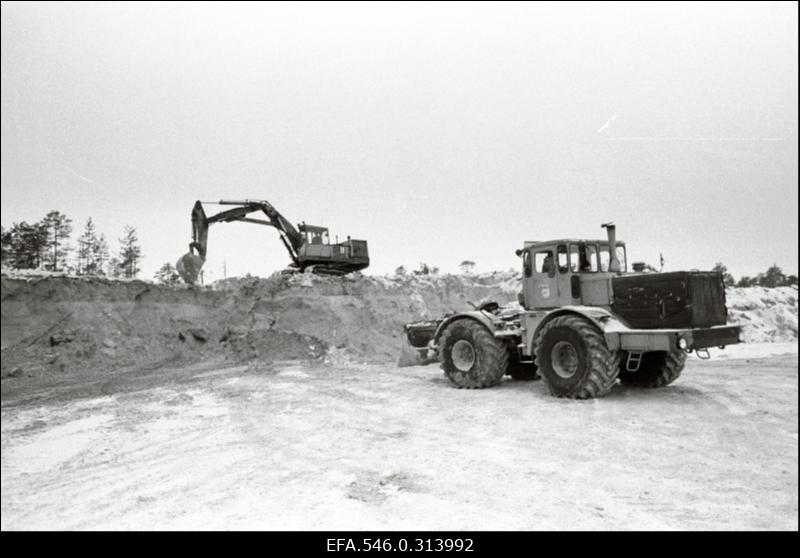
x=766, y=315
x=57, y=324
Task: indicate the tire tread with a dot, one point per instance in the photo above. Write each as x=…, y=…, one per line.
x=490, y=350
x=603, y=362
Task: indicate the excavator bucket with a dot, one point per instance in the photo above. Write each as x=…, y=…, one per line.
x=189, y=266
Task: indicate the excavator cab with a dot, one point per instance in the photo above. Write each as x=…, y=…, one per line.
x=314, y=235
x=316, y=241
x=339, y=258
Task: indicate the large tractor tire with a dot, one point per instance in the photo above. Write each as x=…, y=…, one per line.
x=657, y=369
x=471, y=357
x=574, y=360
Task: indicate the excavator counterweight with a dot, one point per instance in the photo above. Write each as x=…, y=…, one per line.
x=309, y=246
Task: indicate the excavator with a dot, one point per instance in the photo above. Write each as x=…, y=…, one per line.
x=309, y=246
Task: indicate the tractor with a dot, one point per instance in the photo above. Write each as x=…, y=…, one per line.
x=585, y=322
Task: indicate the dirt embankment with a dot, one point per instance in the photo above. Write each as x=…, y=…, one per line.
x=766, y=315
x=62, y=324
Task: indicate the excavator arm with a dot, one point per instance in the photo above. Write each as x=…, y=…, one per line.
x=190, y=263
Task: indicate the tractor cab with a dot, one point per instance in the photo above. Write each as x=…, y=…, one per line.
x=567, y=272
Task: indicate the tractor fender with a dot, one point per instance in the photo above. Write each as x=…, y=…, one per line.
x=602, y=318
x=476, y=315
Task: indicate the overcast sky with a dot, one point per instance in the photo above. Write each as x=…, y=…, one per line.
x=437, y=132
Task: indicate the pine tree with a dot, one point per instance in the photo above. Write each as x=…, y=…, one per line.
x=727, y=278
x=130, y=252
x=747, y=281
x=87, y=246
x=27, y=244
x=113, y=267
x=5, y=246
x=773, y=277
x=101, y=254
x=58, y=227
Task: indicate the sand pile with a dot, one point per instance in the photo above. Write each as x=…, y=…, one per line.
x=766, y=315
x=59, y=324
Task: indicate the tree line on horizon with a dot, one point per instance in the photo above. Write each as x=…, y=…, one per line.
x=771, y=278
x=45, y=245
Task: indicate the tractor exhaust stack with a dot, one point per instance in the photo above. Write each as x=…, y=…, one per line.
x=613, y=264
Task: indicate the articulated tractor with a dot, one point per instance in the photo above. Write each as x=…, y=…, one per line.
x=586, y=322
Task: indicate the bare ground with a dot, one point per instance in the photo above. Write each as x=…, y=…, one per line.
x=299, y=446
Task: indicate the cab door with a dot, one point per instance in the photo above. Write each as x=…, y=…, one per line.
x=564, y=278
x=541, y=278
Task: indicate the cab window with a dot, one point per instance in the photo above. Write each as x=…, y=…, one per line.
x=605, y=257
x=574, y=258
x=563, y=260
x=623, y=266
x=582, y=258
x=544, y=263
x=526, y=263
x=317, y=237
x=589, y=264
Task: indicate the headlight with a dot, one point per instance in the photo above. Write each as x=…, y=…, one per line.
x=682, y=343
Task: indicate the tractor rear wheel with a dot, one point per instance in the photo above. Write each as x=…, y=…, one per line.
x=574, y=360
x=657, y=369
x=471, y=356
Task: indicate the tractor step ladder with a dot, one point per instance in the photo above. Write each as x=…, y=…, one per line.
x=634, y=361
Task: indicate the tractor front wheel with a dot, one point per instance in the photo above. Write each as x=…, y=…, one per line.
x=471, y=356
x=574, y=360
